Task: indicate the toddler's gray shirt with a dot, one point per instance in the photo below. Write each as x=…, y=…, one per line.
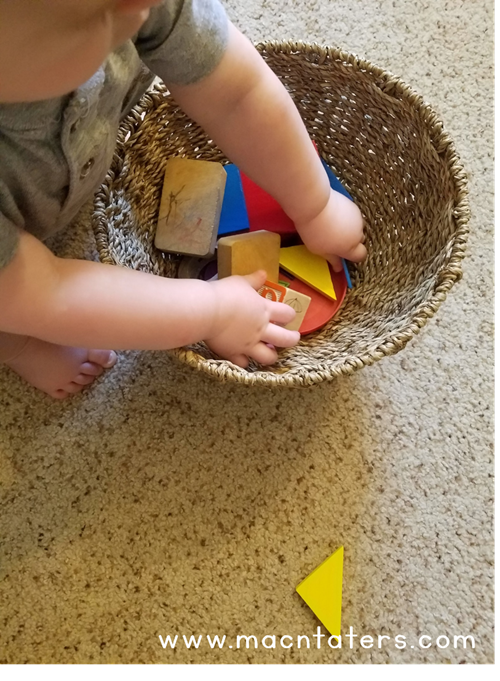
x=54, y=154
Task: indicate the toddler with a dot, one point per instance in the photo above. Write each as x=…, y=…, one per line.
x=69, y=71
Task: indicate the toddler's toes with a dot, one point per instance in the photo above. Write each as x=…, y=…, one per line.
x=59, y=370
x=85, y=379
x=89, y=369
x=73, y=388
x=104, y=358
x=58, y=394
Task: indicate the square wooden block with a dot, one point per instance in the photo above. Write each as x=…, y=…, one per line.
x=300, y=304
x=245, y=253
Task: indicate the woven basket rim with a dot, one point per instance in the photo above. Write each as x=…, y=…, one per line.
x=390, y=85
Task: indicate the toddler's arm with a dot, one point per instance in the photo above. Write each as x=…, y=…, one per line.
x=244, y=107
x=81, y=303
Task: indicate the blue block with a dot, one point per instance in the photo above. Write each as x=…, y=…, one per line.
x=346, y=272
x=334, y=182
x=338, y=187
x=233, y=216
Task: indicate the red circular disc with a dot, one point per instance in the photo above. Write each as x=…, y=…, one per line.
x=321, y=308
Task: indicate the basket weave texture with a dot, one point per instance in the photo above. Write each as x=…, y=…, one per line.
x=387, y=147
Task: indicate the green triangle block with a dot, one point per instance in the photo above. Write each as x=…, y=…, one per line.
x=322, y=591
x=310, y=268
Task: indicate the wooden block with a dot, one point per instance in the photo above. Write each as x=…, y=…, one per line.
x=309, y=268
x=281, y=293
x=272, y=291
x=190, y=207
x=234, y=216
x=245, y=253
x=334, y=181
x=321, y=308
x=264, y=212
x=346, y=272
x=322, y=591
x=300, y=304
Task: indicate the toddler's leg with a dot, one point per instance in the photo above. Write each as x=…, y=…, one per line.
x=57, y=370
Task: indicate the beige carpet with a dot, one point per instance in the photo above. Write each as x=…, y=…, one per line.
x=161, y=502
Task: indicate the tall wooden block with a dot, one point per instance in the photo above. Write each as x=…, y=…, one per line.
x=190, y=207
x=245, y=253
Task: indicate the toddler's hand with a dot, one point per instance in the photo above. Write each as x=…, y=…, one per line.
x=336, y=231
x=244, y=326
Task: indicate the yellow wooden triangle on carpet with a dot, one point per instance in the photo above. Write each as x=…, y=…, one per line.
x=322, y=591
x=309, y=268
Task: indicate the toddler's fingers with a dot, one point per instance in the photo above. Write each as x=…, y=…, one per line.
x=280, y=313
x=239, y=360
x=256, y=279
x=335, y=262
x=282, y=338
x=357, y=254
x=263, y=354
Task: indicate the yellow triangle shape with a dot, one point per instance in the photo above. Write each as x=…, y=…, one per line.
x=322, y=591
x=309, y=268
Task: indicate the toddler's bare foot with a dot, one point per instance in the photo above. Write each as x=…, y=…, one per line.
x=59, y=370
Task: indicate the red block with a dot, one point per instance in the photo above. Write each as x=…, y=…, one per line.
x=264, y=212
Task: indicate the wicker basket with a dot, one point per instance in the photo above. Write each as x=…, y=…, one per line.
x=389, y=150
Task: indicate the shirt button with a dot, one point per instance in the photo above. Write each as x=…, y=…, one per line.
x=86, y=168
